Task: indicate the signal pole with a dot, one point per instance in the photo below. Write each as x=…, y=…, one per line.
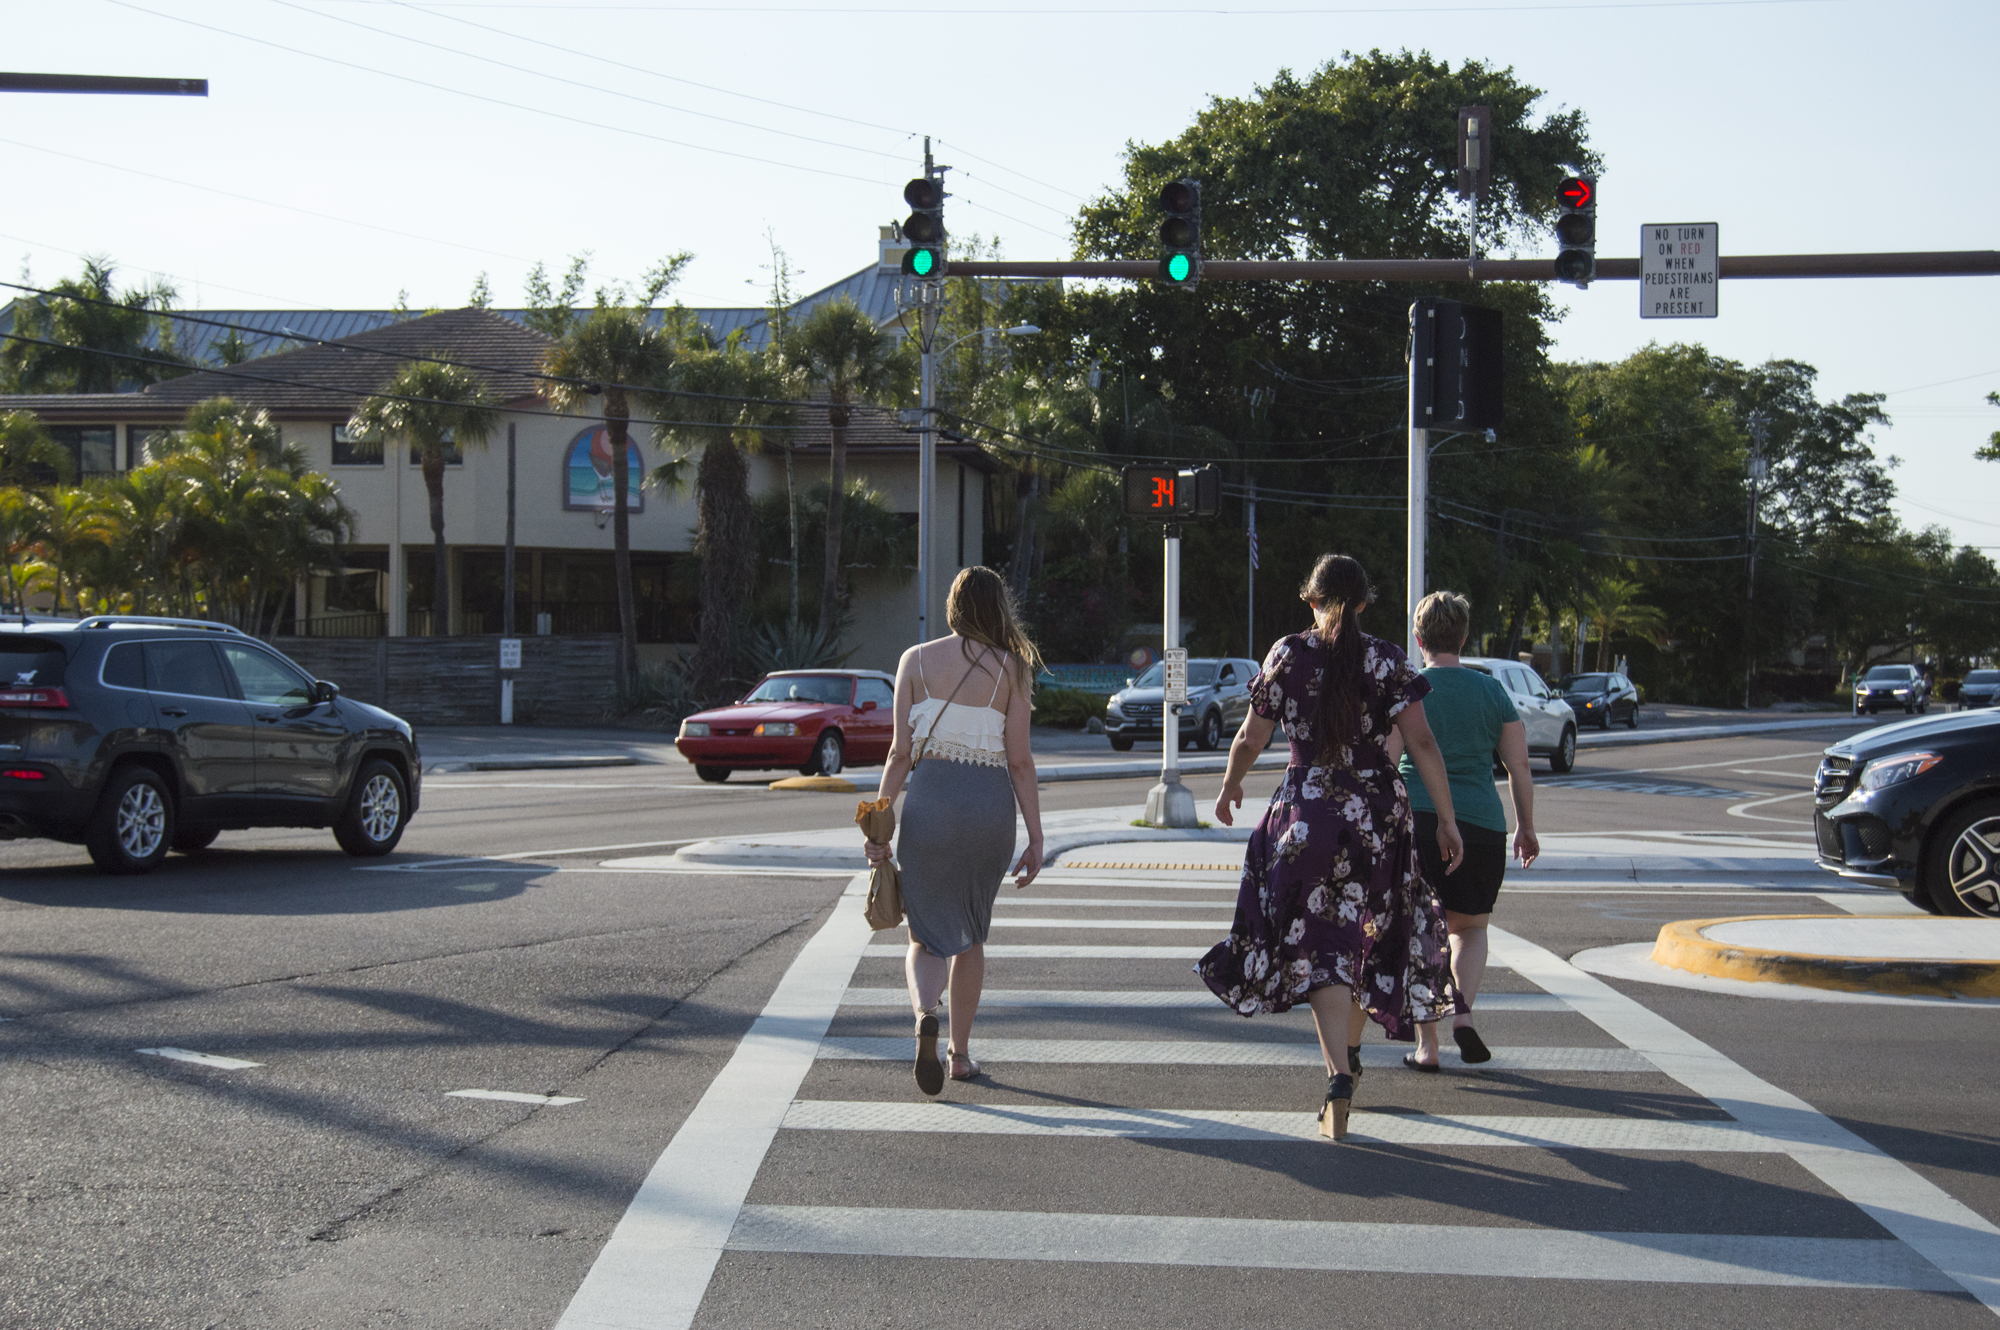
x=1423, y=346
x=1759, y=431
x=1170, y=803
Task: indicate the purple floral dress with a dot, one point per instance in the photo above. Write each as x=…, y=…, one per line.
x=1332, y=892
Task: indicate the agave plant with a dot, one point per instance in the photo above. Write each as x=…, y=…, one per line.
x=788, y=646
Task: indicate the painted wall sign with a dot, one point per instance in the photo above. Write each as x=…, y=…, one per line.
x=587, y=476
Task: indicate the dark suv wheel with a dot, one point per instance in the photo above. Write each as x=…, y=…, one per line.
x=133, y=826
x=377, y=811
x=1961, y=866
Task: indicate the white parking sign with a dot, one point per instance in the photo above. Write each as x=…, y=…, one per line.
x=1680, y=269
x=510, y=653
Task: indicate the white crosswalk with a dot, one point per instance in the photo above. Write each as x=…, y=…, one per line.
x=694, y=1208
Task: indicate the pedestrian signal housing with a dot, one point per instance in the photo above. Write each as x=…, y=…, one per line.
x=1455, y=374
x=924, y=228
x=1576, y=230
x=1180, y=233
x=1169, y=494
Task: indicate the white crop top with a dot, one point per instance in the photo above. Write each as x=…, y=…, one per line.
x=956, y=731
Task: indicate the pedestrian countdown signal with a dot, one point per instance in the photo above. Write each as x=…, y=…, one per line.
x=1167, y=494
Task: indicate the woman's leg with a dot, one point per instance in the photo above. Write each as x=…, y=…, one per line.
x=1468, y=958
x=968, y=976
x=927, y=975
x=1331, y=1007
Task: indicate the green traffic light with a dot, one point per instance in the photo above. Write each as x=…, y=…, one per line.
x=922, y=261
x=1179, y=266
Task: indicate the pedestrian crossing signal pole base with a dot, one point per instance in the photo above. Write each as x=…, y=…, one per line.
x=1170, y=803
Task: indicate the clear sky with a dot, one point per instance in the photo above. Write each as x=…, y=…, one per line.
x=353, y=148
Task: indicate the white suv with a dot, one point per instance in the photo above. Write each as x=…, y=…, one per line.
x=1550, y=723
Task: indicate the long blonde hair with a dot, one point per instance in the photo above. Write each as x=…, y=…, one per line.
x=981, y=609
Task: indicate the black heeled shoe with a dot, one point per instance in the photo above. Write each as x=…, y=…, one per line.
x=1333, y=1114
x=1471, y=1047
x=1354, y=1061
x=929, y=1071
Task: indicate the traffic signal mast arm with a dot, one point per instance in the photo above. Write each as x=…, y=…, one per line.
x=1926, y=263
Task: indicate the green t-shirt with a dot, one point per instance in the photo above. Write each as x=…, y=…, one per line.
x=1466, y=710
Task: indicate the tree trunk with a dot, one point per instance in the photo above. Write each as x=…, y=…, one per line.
x=617, y=417
x=433, y=458
x=792, y=524
x=725, y=542
x=1017, y=566
x=836, y=513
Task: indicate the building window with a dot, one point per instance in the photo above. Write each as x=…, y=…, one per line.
x=143, y=446
x=587, y=474
x=347, y=451
x=93, y=449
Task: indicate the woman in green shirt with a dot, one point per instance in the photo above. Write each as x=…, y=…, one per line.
x=1474, y=720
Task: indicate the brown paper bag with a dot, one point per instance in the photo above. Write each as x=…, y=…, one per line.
x=877, y=820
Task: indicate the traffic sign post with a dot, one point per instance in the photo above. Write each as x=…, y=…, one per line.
x=510, y=659
x=1680, y=269
x=1172, y=495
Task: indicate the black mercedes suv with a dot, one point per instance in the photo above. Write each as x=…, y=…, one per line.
x=134, y=736
x=1915, y=806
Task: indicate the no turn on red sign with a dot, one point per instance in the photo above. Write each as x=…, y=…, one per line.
x=1680, y=267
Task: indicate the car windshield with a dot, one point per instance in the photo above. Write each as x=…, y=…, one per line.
x=1890, y=674
x=1587, y=683
x=1200, y=674
x=832, y=689
x=1153, y=677
x=1983, y=676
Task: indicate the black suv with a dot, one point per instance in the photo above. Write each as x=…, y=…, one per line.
x=133, y=736
x=1915, y=807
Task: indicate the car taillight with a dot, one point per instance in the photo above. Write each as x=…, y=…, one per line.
x=24, y=773
x=34, y=697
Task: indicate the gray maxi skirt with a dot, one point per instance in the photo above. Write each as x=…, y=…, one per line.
x=954, y=842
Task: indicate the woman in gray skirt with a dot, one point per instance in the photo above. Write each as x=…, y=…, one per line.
x=962, y=705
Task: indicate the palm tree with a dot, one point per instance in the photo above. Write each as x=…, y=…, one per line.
x=1614, y=607
x=614, y=352
x=839, y=349
x=90, y=338
x=69, y=522
x=724, y=428
x=28, y=454
x=19, y=519
x=433, y=408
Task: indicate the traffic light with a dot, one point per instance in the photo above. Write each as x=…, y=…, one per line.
x=1180, y=234
x=1169, y=494
x=1475, y=151
x=1576, y=230
x=924, y=228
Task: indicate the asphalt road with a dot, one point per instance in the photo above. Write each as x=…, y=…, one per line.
x=341, y=1182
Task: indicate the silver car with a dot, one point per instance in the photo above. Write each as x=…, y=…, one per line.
x=1550, y=722
x=1979, y=689
x=1218, y=700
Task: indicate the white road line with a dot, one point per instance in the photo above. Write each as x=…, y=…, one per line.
x=547, y=854
x=1946, y=1232
x=1100, y=903
x=667, y=867
x=1217, y=926
x=215, y=1060
x=1021, y=951
x=1227, y=1053
x=653, y=1272
x=1276, y=1244
x=515, y=1097
x=1122, y=998
x=1406, y=1129
x=1111, y=877
x=1742, y=810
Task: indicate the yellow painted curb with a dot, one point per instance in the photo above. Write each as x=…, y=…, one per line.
x=825, y=784
x=1684, y=946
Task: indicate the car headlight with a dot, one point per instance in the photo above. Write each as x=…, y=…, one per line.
x=776, y=729
x=1114, y=708
x=694, y=729
x=1902, y=692
x=1885, y=771
x=1590, y=702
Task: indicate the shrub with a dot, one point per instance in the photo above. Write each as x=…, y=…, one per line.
x=1068, y=708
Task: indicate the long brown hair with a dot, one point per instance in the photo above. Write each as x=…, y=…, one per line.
x=1338, y=585
x=980, y=608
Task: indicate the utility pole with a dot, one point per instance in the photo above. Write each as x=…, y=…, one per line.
x=507, y=611
x=1250, y=599
x=1759, y=432
x=1423, y=348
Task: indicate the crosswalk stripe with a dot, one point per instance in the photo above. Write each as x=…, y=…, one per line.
x=1277, y=1244
x=1102, y=903
x=1412, y=1129
x=1216, y=926
x=1229, y=1053
x=1032, y=951
x=1199, y=999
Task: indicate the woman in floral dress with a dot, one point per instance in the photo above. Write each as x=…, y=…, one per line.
x=1333, y=909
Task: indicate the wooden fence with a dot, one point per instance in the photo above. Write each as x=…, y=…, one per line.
x=456, y=680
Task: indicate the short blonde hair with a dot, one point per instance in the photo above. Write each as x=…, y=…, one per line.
x=1443, y=620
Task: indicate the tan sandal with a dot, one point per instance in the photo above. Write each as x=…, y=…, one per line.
x=972, y=1068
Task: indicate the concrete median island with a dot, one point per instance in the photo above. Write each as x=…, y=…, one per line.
x=1890, y=954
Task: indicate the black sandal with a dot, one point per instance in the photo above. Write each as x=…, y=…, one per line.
x=1354, y=1061
x=1339, y=1098
x=929, y=1071
x=1470, y=1046
x=1410, y=1061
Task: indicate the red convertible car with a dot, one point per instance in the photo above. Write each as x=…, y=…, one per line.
x=815, y=721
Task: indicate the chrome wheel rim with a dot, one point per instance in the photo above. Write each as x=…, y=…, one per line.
x=142, y=822
x=829, y=756
x=1568, y=748
x=1973, y=870
x=381, y=808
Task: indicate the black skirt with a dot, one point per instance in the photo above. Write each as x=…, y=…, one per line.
x=1475, y=887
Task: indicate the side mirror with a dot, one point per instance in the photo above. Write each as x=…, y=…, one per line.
x=868, y=706
x=322, y=691
x=1130, y=680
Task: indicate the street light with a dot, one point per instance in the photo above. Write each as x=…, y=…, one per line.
x=927, y=450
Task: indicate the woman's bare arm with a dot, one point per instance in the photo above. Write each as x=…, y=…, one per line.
x=1021, y=771
x=1514, y=756
x=1429, y=762
x=1250, y=740
x=897, y=769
